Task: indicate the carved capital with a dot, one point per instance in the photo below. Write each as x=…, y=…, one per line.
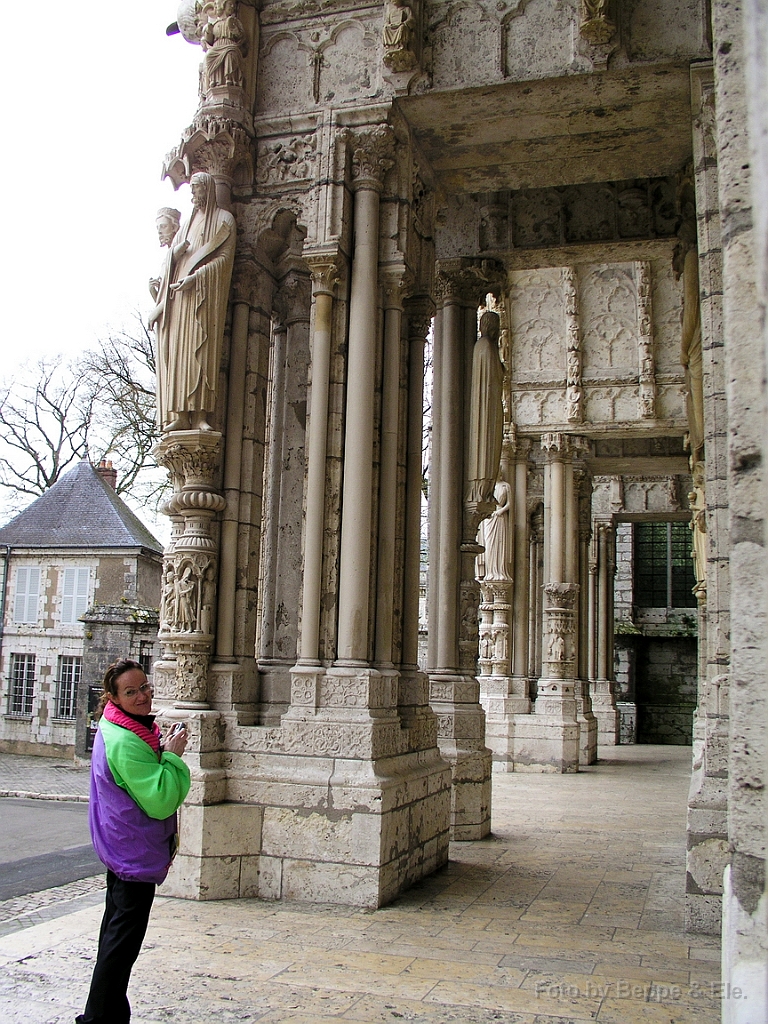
x=192, y=457
x=218, y=145
x=395, y=282
x=419, y=310
x=372, y=156
x=326, y=270
x=292, y=300
x=468, y=280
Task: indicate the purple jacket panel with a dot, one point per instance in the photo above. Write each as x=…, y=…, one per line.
x=134, y=846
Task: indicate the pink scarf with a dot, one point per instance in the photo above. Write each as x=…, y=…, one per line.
x=117, y=716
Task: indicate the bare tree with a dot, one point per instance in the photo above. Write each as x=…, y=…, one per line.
x=102, y=405
x=45, y=415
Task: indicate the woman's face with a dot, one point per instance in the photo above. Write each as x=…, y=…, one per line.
x=134, y=693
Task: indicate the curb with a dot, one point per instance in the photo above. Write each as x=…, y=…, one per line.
x=74, y=798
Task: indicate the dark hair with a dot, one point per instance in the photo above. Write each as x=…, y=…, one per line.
x=113, y=673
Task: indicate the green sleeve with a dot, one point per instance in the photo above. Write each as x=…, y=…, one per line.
x=158, y=787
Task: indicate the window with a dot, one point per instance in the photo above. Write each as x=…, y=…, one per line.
x=74, y=595
x=27, y=594
x=22, y=684
x=664, y=576
x=70, y=669
x=145, y=658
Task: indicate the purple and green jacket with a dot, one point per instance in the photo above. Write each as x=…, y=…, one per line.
x=135, y=793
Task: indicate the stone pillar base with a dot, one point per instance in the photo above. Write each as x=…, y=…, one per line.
x=503, y=698
x=606, y=712
x=548, y=740
x=708, y=852
x=588, y=725
x=455, y=700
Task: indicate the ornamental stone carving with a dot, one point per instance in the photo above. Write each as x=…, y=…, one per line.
x=286, y=160
x=596, y=27
x=190, y=312
x=698, y=505
x=647, y=371
x=573, y=392
x=190, y=565
x=397, y=36
x=372, y=156
x=224, y=42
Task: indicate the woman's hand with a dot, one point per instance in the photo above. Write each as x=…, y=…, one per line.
x=176, y=742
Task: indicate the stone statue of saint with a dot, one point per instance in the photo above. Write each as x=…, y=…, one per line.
x=397, y=35
x=190, y=311
x=496, y=535
x=167, y=222
x=486, y=412
x=225, y=44
x=698, y=504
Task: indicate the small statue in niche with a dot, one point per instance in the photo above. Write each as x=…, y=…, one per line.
x=191, y=306
x=185, y=601
x=224, y=41
x=556, y=648
x=399, y=22
x=486, y=412
x=168, y=603
x=496, y=535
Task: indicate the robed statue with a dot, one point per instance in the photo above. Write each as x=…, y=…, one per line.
x=486, y=423
x=191, y=307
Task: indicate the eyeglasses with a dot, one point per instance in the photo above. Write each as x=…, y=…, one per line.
x=144, y=688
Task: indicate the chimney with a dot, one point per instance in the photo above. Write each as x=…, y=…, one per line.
x=107, y=473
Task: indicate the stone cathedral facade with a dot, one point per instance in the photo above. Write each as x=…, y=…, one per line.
x=558, y=200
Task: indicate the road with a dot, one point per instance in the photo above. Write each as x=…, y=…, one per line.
x=43, y=843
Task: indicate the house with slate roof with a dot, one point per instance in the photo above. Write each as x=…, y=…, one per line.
x=80, y=587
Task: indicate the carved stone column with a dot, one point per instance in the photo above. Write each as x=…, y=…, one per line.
x=584, y=715
x=646, y=394
x=325, y=276
x=189, y=609
x=281, y=544
x=549, y=741
x=371, y=158
x=603, y=693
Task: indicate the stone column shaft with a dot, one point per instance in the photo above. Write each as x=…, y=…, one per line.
x=521, y=542
x=324, y=280
x=417, y=328
x=390, y=423
x=357, y=502
x=450, y=487
x=433, y=583
x=225, y=629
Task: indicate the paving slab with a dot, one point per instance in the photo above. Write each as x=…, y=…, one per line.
x=571, y=912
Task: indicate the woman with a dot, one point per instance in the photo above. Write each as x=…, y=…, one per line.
x=138, y=783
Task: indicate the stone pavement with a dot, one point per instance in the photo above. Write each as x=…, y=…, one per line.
x=571, y=912
x=43, y=778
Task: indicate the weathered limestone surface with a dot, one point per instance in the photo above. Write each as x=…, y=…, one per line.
x=384, y=161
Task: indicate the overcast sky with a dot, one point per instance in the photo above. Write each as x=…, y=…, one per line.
x=95, y=96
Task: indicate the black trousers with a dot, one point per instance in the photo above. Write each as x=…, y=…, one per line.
x=123, y=927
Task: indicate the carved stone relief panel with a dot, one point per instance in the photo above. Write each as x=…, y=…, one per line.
x=285, y=75
x=537, y=325
x=329, y=60
x=539, y=40
x=462, y=35
x=667, y=306
x=609, y=322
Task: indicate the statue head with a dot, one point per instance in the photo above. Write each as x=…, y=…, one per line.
x=167, y=222
x=490, y=326
x=203, y=189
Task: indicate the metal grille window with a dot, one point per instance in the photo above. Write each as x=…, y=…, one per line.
x=664, y=576
x=70, y=669
x=22, y=684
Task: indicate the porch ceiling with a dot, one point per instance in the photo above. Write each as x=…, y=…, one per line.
x=608, y=126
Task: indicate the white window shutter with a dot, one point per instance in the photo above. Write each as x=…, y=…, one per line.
x=20, y=603
x=27, y=594
x=68, y=595
x=81, y=592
